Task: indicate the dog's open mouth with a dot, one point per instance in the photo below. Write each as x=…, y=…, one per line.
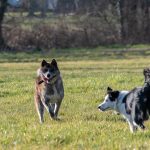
x=101, y=109
x=48, y=80
x=104, y=109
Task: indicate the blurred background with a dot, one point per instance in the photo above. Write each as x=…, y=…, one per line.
x=27, y=25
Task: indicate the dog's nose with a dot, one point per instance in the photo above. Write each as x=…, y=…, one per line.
x=48, y=75
x=99, y=107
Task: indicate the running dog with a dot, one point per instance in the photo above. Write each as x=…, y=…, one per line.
x=49, y=90
x=134, y=105
x=114, y=100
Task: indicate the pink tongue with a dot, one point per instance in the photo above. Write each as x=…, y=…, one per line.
x=45, y=79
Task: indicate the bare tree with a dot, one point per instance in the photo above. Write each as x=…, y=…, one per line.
x=65, y=6
x=135, y=20
x=32, y=5
x=43, y=7
x=3, y=6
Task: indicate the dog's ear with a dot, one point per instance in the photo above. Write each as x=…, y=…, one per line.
x=115, y=94
x=146, y=70
x=43, y=63
x=109, y=90
x=146, y=73
x=54, y=63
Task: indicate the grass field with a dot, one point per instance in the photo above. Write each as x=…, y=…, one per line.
x=86, y=77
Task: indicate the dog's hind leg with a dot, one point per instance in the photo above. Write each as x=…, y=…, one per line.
x=138, y=118
x=40, y=108
x=139, y=124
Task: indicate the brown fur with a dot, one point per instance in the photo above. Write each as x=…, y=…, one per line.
x=48, y=95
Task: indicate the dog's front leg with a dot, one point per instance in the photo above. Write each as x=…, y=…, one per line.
x=131, y=125
x=51, y=111
x=56, y=110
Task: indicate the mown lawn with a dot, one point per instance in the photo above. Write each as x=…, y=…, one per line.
x=82, y=126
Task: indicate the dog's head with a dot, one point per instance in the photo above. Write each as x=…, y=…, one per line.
x=110, y=100
x=49, y=72
x=146, y=73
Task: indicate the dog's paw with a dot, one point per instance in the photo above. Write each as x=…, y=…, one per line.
x=41, y=121
x=116, y=113
x=142, y=128
x=56, y=118
x=133, y=129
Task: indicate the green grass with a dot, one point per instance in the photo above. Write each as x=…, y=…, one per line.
x=100, y=53
x=86, y=77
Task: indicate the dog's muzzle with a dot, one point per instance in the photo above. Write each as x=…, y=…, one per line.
x=48, y=80
x=100, y=108
x=103, y=109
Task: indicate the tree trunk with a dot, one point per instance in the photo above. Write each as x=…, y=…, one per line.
x=3, y=6
x=44, y=7
x=32, y=6
x=146, y=22
x=135, y=22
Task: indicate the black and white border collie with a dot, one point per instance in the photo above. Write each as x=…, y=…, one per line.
x=133, y=105
x=115, y=100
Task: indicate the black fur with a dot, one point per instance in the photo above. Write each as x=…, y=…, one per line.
x=112, y=94
x=138, y=101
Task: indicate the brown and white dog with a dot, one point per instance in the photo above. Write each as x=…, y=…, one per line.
x=49, y=90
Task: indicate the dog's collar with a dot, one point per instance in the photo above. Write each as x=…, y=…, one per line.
x=117, y=102
x=116, y=105
x=124, y=98
x=40, y=82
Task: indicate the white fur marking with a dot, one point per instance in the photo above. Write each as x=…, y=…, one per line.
x=119, y=106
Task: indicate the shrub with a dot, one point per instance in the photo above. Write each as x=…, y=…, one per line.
x=87, y=33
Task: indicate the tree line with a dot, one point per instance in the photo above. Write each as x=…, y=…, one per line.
x=133, y=15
